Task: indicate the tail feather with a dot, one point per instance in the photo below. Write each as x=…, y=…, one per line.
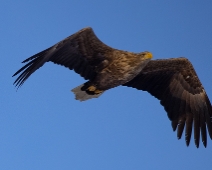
x=83, y=95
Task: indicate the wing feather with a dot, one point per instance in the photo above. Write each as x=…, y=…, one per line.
x=175, y=83
x=181, y=125
x=82, y=51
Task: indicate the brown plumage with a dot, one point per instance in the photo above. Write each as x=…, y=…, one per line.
x=173, y=81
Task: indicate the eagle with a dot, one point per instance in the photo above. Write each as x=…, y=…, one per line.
x=172, y=81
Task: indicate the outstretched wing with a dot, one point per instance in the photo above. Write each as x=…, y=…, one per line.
x=175, y=83
x=82, y=51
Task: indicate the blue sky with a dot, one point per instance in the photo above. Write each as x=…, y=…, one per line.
x=43, y=127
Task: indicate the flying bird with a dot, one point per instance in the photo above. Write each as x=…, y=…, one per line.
x=173, y=81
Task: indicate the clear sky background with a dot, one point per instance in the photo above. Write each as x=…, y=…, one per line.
x=43, y=127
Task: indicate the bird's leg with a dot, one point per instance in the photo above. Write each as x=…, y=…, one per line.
x=98, y=91
x=91, y=88
x=94, y=90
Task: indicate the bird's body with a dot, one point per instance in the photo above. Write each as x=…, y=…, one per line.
x=173, y=81
x=122, y=69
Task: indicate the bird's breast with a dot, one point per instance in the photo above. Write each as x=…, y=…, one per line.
x=119, y=72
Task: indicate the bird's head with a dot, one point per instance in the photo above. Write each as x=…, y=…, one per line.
x=146, y=55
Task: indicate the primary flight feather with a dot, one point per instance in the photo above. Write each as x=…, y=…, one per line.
x=173, y=81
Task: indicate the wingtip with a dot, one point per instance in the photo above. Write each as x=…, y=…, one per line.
x=205, y=143
x=197, y=145
x=187, y=142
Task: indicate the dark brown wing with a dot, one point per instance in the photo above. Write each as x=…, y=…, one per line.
x=175, y=83
x=82, y=51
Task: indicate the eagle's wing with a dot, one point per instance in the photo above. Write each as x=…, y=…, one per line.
x=175, y=83
x=82, y=51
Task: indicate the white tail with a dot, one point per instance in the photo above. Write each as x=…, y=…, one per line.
x=82, y=95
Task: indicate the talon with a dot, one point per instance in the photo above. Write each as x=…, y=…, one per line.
x=98, y=91
x=91, y=88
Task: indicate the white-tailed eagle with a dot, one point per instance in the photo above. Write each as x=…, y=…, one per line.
x=173, y=81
